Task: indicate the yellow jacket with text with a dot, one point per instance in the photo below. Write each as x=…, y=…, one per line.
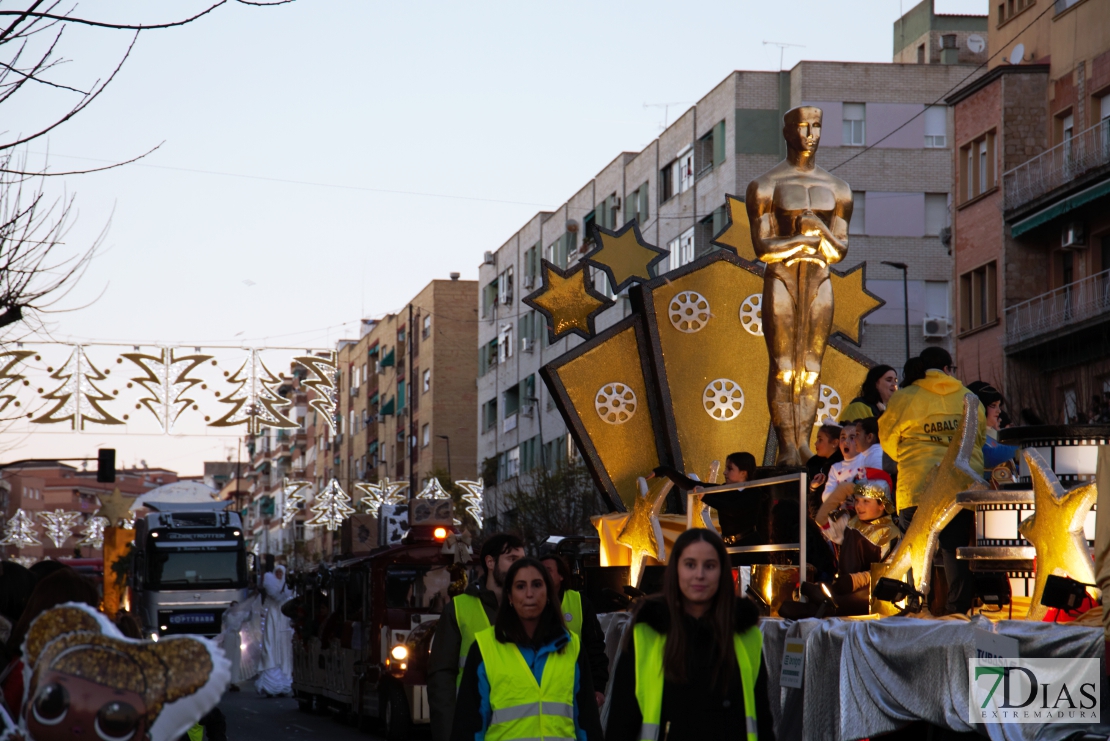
x=919, y=422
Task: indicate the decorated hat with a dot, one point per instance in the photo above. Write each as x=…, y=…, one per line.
x=875, y=484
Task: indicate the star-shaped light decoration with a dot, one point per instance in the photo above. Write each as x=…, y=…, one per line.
x=116, y=508
x=936, y=505
x=58, y=525
x=624, y=256
x=93, y=533
x=1056, y=529
x=383, y=492
x=642, y=533
x=294, y=492
x=433, y=490
x=473, y=492
x=568, y=301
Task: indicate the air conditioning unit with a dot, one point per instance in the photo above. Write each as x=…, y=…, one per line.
x=529, y=281
x=1073, y=236
x=506, y=298
x=935, y=326
x=527, y=344
x=487, y=259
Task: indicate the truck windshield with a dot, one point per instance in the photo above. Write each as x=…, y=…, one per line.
x=419, y=587
x=190, y=569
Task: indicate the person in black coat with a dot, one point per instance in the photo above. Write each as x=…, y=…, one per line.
x=705, y=700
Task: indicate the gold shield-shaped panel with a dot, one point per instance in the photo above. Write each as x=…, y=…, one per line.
x=604, y=393
x=704, y=325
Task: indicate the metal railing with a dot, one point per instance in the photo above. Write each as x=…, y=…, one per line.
x=1058, y=308
x=1058, y=166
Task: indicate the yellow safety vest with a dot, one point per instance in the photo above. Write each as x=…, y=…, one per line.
x=521, y=708
x=649, y=646
x=572, y=611
x=470, y=614
x=196, y=733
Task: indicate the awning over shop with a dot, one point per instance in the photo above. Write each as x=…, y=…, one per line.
x=1059, y=209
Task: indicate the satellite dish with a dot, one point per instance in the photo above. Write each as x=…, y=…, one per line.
x=976, y=43
x=1018, y=54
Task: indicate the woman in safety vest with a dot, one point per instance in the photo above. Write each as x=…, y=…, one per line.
x=527, y=676
x=692, y=668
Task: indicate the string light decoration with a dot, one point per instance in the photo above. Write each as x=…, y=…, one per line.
x=78, y=399
x=322, y=383
x=166, y=379
x=24, y=561
x=473, y=498
x=59, y=525
x=20, y=531
x=433, y=490
x=294, y=492
x=93, y=533
x=383, y=492
x=255, y=400
x=332, y=507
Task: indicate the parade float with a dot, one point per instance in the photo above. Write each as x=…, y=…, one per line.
x=750, y=348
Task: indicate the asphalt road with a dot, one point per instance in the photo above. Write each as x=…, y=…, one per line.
x=254, y=718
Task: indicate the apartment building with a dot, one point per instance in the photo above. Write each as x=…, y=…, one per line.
x=1031, y=226
x=881, y=134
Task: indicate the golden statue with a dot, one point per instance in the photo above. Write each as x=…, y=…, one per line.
x=799, y=219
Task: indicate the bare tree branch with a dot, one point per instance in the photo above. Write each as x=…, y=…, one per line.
x=117, y=26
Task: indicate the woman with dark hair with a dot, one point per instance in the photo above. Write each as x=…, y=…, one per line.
x=912, y=372
x=995, y=454
x=526, y=676
x=739, y=467
x=580, y=616
x=878, y=386
x=693, y=668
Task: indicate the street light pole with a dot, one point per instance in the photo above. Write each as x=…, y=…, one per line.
x=905, y=298
x=539, y=418
x=448, y=439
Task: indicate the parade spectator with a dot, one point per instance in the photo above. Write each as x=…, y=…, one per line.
x=581, y=618
x=994, y=453
x=527, y=676
x=16, y=585
x=920, y=422
x=464, y=617
x=912, y=372
x=739, y=468
x=878, y=386
x=692, y=668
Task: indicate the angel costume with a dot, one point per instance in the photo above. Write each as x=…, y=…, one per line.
x=276, y=677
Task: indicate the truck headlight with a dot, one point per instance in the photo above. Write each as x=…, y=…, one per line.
x=400, y=652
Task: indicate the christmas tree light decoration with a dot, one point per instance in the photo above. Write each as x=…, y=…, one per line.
x=473, y=498
x=332, y=507
x=293, y=492
x=8, y=361
x=24, y=561
x=78, y=399
x=20, y=531
x=167, y=381
x=255, y=400
x=383, y=492
x=323, y=371
x=433, y=490
x=93, y=533
x=59, y=525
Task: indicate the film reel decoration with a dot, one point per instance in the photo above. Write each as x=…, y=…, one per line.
x=751, y=314
x=829, y=406
x=615, y=403
x=688, y=311
x=723, y=399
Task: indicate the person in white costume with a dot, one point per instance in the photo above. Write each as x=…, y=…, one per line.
x=276, y=677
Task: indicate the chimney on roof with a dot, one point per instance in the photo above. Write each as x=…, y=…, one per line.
x=455, y=276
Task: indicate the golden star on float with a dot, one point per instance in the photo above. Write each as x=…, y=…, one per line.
x=936, y=505
x=624, y=256
x=851, y=301
x=115, y=508
x=737, y=235
x=642, y=533
x=1056, y=529
x=568, y=301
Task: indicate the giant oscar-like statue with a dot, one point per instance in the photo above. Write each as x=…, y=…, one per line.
x=799, y=218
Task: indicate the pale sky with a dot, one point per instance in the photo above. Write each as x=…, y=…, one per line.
x=366, y=148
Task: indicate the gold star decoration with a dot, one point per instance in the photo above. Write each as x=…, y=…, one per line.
x=936, y=504
x=642, y=533
x=115, y=508
x=568, y=300
x=1056, y=529
x=624, y=256
x=737, y=235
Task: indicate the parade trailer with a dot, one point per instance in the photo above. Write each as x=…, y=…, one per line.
x=365, y=628
x=189, y=566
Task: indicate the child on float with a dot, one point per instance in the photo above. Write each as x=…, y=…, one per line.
x=864, y=538
x=858, y=444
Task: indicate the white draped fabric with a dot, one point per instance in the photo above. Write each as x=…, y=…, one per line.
x=276, y=676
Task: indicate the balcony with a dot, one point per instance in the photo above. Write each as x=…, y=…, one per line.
x=1068, y=306
x=1062, y=165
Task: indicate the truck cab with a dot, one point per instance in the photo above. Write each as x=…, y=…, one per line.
x=189, y=565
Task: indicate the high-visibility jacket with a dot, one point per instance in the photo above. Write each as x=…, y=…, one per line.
x=572, y=611
x=649, y=645
x=471, y=616
x=521, y=708
x=196, y=733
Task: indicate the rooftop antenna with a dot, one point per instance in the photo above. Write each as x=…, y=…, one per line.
x=666, y=110
x=782, y=48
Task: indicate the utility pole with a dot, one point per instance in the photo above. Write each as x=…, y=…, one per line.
x=905, y=299
x=411, y=446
